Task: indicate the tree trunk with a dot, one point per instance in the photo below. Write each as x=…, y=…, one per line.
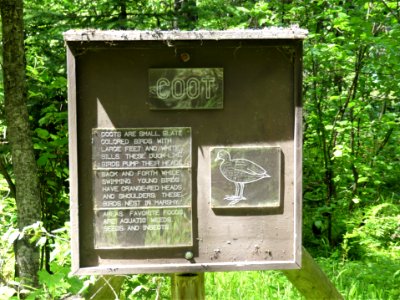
x=19, y=135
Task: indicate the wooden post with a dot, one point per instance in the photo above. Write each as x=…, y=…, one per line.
x=311, y=281
x=187, y=286
x=106, y=287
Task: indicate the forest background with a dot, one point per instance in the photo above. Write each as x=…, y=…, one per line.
x=351, y=180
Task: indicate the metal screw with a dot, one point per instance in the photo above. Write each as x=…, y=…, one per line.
x=185, y=57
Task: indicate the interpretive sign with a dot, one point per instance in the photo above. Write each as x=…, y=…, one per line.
x=246, y=177
x=142, y=187
x=185, y=150
x=186, y=88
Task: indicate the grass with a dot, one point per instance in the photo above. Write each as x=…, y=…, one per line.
x=377, y=278
x=249, y=285
x=359, y=280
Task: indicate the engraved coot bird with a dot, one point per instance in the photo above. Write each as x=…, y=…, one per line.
x=239, y=171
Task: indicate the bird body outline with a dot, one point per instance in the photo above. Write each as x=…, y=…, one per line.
x=240, y=171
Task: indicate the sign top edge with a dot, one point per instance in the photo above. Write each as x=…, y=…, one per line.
x=87, y=35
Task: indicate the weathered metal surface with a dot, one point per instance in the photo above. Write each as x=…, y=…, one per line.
x=142, y=187
x=141, y=148
x=186, y=88
x=246, y=177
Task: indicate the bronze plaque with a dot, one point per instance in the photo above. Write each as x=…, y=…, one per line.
x=142, y=187
x=186, y=88
x=245, y=177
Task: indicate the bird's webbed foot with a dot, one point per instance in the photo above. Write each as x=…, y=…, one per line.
x=234, y=199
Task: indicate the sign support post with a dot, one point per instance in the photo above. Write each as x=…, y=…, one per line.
x=311, y=281
x=187, y=286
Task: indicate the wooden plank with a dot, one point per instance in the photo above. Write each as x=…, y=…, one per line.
x=73, y=160
x=183, y=268
x=106, y=287
x=293, y=32
x=298, y=148
x=311, y=281
x=188, y=286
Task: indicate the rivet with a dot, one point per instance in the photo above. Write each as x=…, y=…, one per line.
x=189, y=255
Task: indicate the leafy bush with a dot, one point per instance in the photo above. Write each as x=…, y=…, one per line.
x=376, y=232
x=7, y=224
x=143, y=287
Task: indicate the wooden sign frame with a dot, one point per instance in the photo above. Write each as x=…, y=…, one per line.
x=260, y=110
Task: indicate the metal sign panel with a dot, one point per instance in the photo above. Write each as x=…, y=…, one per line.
x=186, y=88
x=246, y=177
x=142, y=187
x=185, y=156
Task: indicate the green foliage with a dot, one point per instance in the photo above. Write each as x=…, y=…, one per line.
x=374, y=279
x=377, y=233
x=53, y=285
x=56, y=285
x=8, y=221
x=351, y=114
x=143, y=287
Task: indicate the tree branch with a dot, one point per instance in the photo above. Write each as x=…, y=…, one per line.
x=6, y=175
x=397, y=16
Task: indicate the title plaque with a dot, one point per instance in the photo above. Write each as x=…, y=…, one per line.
x=142, y=187
x=196, y=88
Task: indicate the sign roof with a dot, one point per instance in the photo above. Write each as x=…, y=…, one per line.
x=293, y=32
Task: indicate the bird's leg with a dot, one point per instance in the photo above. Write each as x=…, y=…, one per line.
x=237, y=189
x=241, y=189
x=234, y=198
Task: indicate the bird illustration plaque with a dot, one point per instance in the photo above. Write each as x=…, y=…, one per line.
x=246, y=177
